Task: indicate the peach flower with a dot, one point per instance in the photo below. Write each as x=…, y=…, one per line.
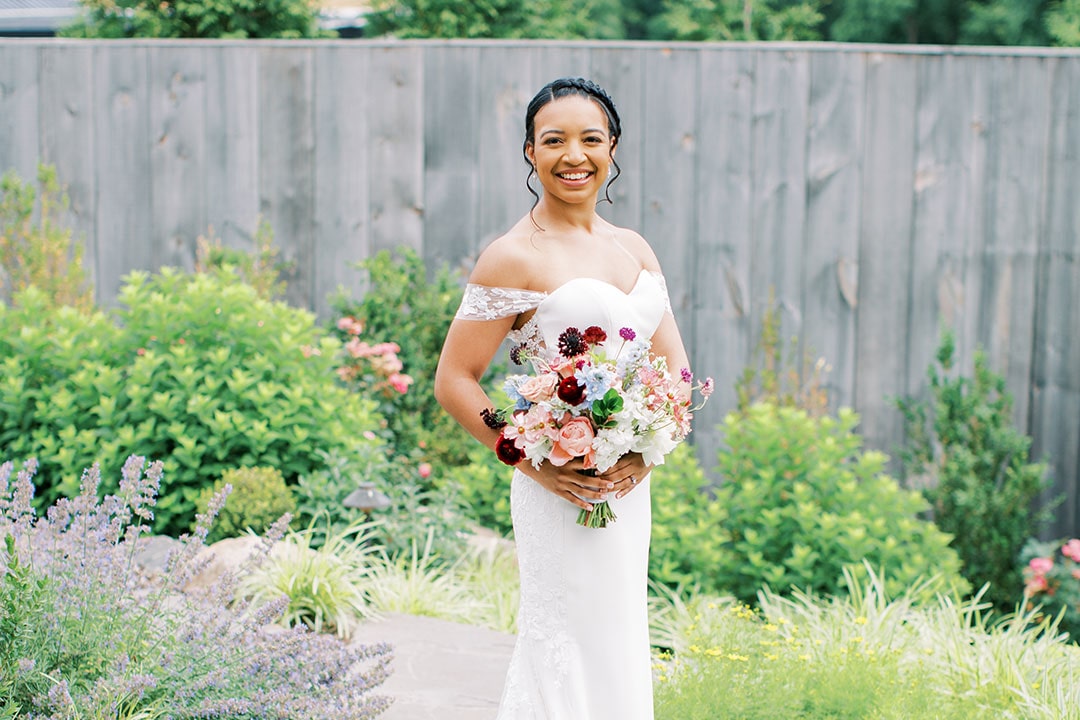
x=574, y=440
x=539, y=388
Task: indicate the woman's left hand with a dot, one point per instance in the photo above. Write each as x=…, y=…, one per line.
x=627, y=473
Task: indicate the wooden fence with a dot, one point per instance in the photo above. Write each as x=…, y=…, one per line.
x=879, y=190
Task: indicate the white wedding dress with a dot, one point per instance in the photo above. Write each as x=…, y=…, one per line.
x=582, y=651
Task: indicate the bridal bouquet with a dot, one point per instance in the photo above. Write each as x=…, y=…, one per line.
x=596, y=400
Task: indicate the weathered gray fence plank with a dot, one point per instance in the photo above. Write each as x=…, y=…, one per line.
x=19, y=110
x=669, y=126
x=232, y=147
x=503, y=91
x=1056, y=381
x=66, y=133
x=121, y=91
x=835, y=127
x=721, y=277
x=884, y=246
x=451, y=150
x=342, y=228
x=177, y=110
x=396, y=85
x=287, y=160
x=946, y=190
x=1017, y=130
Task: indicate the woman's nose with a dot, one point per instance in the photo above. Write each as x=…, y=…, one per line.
x=575, y=152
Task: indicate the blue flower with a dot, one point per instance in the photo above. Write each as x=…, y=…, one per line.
x=596, y=380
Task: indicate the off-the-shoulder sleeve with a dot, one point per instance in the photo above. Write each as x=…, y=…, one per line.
x=663, y=286
x=482, y=302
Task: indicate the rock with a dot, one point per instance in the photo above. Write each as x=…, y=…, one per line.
x=223, y=556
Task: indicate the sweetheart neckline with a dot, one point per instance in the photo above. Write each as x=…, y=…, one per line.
x=613, y=286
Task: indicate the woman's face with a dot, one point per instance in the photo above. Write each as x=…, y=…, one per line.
x=571, y=148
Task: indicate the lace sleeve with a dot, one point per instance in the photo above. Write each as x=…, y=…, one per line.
x=491, y=303
x=663, y=286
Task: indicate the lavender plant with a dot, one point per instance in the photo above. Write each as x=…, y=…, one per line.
x=86, y=633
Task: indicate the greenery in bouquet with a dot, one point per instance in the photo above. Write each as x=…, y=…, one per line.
x=595, y=400
x=1052, y=581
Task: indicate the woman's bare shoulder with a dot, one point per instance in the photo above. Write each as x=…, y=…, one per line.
x=505, y=262
x=637, y=246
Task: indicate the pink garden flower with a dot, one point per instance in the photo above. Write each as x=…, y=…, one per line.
x=400, y=382
x=350, y=325
x=1041, y=565
x=1036, y=585
x=424, y=469
x=1071, y=550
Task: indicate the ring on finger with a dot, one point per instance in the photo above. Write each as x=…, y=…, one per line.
x=633, y=480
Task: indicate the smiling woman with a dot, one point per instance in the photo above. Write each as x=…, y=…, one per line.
x=583, y=647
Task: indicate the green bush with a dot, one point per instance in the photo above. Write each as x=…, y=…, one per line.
x=401, y=305
x=40, y=251
x=802, y=501
x=200, y=372
x=416, y=511
x=235, y=19
x=258, y=499
x=687, y=527
x=484, y=488
x=975, y=465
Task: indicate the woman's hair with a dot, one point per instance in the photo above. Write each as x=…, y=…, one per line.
x=561, y=88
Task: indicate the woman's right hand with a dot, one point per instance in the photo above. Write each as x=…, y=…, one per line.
x=568, y=482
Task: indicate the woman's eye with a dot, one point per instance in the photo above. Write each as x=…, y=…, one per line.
x=552, y=141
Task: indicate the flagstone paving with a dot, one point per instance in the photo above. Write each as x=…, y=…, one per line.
x=442, y=670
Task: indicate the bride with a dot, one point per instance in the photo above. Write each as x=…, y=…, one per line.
x=582, y=651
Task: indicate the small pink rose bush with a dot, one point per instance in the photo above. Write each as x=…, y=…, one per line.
x=1052, y=580
x=373, y=368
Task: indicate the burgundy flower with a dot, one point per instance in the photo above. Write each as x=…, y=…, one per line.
x=572, y=343
x=570, y=391
x=508, y=452
x=627, y=334
x=516, y=355
x=595, y=335
x=493, y=418
x=687, y=376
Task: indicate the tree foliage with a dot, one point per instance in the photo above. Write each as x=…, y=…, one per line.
x=197, y=19
x=948, y=22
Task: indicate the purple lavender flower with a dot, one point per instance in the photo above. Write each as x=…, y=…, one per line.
x=627, y=334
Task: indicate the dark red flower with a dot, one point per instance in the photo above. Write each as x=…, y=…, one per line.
x=570, y=391
x=493, y=418
x=595, y=335
x=508, y=452
x=572, y=343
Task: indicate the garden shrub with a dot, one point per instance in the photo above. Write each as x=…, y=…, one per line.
x=201, y=373
x=416, y=511
x=484, y=488
x=232, y=19
x=402, y=305
x=687, y=527
x=259, y=497
x=801, y=501
x=980, y=482
x=260, y=268
x=35, y=247
x=85, y=635
x=1052, y=581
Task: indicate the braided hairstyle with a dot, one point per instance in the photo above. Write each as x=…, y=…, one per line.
x=561, y=88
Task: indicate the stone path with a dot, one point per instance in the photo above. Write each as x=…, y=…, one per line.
x=442, y=670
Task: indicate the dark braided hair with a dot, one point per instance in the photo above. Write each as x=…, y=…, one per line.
x=559, y=89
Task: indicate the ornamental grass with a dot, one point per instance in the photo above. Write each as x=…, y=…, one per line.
x=865, y=656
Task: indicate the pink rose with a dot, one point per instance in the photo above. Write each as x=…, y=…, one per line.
x=1041, y=565
x=539, y=388
x=574, y=440
x=1071, y=550
x=400, y=382
x=424, y=469
x=1036, y=585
